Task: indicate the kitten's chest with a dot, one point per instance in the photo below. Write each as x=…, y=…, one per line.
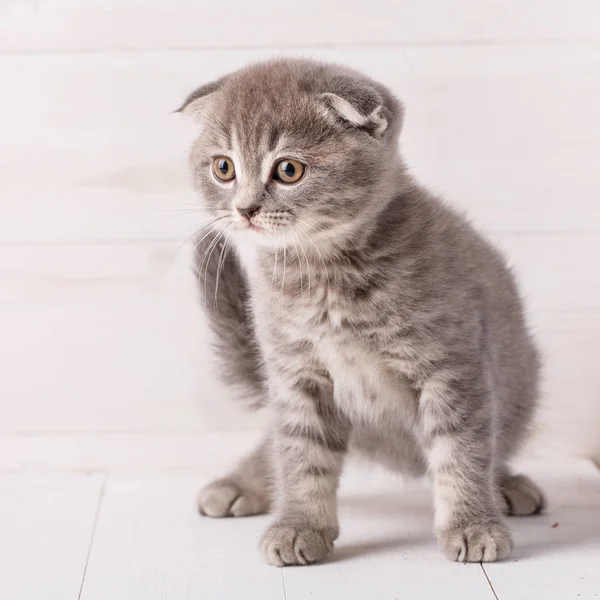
x=366, y=387
x=349, y=342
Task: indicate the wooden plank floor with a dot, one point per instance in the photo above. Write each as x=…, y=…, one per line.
x=138, y=537
x=46, y=529
x=558, y=555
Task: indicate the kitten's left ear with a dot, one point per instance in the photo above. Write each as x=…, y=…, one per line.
x=197, y=104
x=365, y=105
x=375, y=122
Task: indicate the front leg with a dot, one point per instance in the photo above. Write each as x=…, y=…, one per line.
x=457, y=414
x=310, y=441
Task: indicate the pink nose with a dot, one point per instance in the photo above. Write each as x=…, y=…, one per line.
x=248, y=211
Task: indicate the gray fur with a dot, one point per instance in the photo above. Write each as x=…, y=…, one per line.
x=367, y=314
x=235, y=340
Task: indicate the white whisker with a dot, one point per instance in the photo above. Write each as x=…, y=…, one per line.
x=208, y=225
x=214, y=245
x=201, y=261
x=210, y=246
x=274, y=271
x=311, y=227
x=189, y=239
x=220, y=266
x=299, y=243
x=284, y=265
x=318, y=252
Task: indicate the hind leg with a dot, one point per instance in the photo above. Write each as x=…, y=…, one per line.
x=245, y=491
x=520, y=496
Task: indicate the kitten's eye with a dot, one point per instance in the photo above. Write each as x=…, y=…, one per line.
x=223, y=168
x=288, y=171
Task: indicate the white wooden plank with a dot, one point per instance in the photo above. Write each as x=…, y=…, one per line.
x=505, y=133
x=134, y=24
x=108, y=357
x=556, y=554
x=556, y=272
x=46, y=523
x=89, y=451
x=569, y=415
x=151, y=543
x=118, y=346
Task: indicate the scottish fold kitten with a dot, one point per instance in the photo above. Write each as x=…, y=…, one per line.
x=366, y=313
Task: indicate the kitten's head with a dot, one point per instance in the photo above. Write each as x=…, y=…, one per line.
x=292, y=149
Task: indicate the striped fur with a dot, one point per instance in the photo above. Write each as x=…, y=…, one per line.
x=365, y=312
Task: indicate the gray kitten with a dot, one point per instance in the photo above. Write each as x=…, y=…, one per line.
x=366, y=313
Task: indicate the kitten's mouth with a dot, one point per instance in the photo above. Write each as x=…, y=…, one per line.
x=254, y=227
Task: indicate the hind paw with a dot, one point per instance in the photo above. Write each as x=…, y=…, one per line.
x=522, y=497
x=225, y=498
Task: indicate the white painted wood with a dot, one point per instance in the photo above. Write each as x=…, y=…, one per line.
x=205, y=451
x=556, y=272
x=561, y=562
x=135, y=24
x=505, y=133
x=151, y=544
x=568, y=421
x=127, y=353
x=46, y=523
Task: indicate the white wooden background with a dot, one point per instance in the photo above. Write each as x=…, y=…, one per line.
x=104, y=356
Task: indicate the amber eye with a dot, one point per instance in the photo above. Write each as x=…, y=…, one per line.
x=223, y=168
x=288, y=171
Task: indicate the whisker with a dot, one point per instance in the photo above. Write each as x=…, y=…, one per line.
x=208, y=225
x=284, y=265
x=318, y=252
x=188, y=239
x=314, y=229
x=212, y=243
x=206, y=251
x=299, y=243
x=295, y=243
x=220, y=266
x=178, y=211
x=197, y=207
x=215, y=244
x=274, y=271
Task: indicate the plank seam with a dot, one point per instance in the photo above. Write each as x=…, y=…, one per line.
x=283, y=583
x=92, y=537
x=482, y=42
x=489, y=581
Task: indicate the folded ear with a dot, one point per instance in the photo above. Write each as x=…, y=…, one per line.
x=197, y=104
x=374, y=122
x=364, y=105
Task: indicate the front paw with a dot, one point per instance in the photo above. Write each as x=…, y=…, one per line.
x=478, y=542
x=295, y=544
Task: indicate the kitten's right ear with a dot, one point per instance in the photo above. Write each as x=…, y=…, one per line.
x=198, y=103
